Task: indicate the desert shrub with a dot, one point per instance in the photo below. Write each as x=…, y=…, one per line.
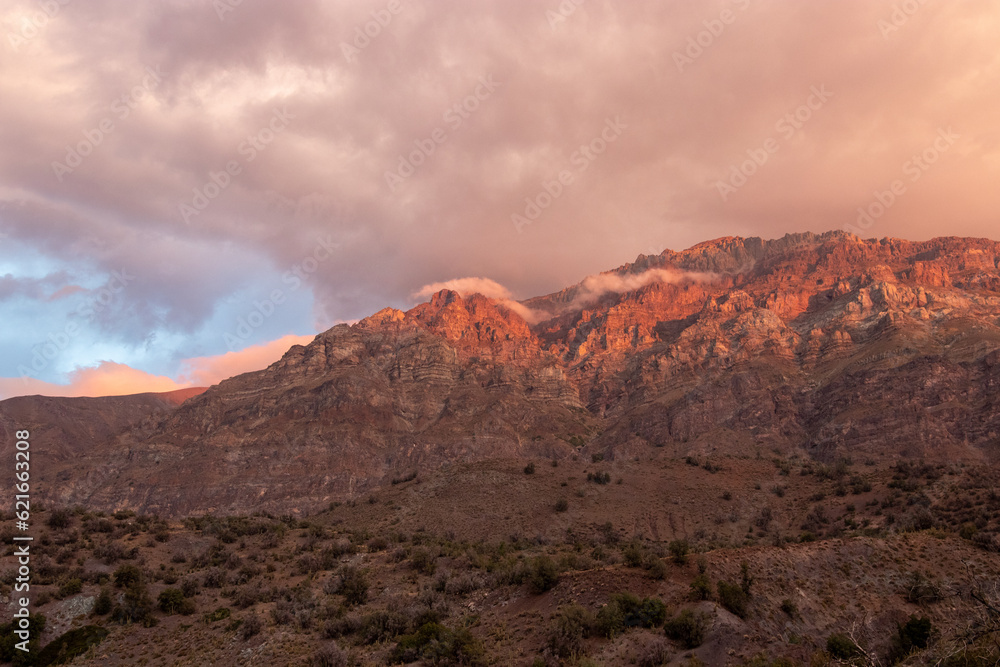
x=732, y=598
x=701, y=587
x=70, y=587
x=215, y=577
x=463, y=584
x=610, y=620
x=8, y=651
x=377, y=544
x=103, y=603
x=136, y=606
x=189, y=586
x=381, y=625
x=329, y=655
x=342, y=627
x=59, y=519
x=126, y=575
x=570, y=626
x=657, y=569
x=544, y=574
x=634, y=554
x=439, y=645
x=423, y=561
x=251, y=626
x=352, y=583
x=654, y=654
x=529, y=469
x=220, y=614
x=562, y=505
x=746, y=580
x=172, y=601
x=599, y=477
x=71, y=644
x=789, y=607
x=913, y=635
x=921, y=590
x=112, y=552
x=687, y=628
x=679, y=551
x=628, y=611
x=309, y=563
x=245, y=596
x=841, y=647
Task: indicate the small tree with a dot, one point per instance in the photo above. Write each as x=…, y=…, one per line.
x=732, y=598
x=679, y=550
x=687, y=628
x=544, y=574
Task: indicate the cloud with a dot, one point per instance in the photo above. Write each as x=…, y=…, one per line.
x=113, y=379
x=106, y=379
x=465, y=286
x=205, y=371
x=352, y=121
x=593, y=287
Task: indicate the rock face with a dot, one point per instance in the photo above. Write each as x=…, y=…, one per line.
x=824, y=343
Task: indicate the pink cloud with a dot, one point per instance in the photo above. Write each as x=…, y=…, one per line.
x=205, y=371
x=109, y=378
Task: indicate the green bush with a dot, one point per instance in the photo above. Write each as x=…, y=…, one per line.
x=688, y=628
x=544, y=574
x=679, y=551
x=70, y=645
x=629, y=611
x=353, y=585
x=841, y=647
x=571, y=625
x=439, y=645
x=914, y=634
x=126, y=575
x=610, y=620
x=172, y=601
x=732, y=598
x=103, y=604
x=136, y=607
x=701, y=587
x=8, y=640
x=70, y=587
x=220, y=614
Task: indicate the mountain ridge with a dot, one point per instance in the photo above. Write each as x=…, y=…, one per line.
x=825, y=344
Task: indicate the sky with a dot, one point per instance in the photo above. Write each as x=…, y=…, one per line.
x=189, y=187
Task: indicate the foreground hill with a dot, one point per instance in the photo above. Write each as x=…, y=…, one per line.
x=625, y=562
x=827, y=346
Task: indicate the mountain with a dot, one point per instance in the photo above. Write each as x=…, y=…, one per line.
x=828, y=346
